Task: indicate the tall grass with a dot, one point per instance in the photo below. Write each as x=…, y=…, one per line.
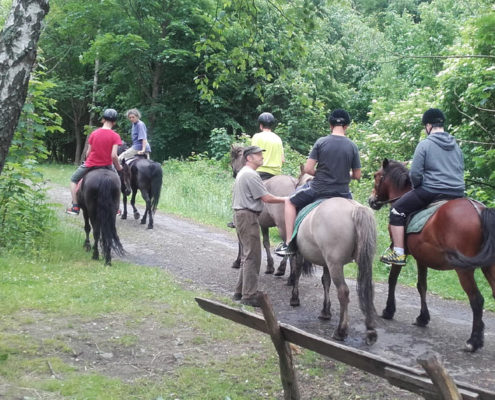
x=201, y=189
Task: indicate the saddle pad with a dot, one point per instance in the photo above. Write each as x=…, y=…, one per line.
x=419, y=220
x=302, y=214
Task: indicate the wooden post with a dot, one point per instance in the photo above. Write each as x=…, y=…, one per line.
x=439, y=376
x=287, y=373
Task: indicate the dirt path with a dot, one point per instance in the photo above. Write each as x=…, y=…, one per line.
x=201, y=257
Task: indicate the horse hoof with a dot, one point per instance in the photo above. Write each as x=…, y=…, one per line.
x=136, y=215
x=325, y=317
x=295, y=302
x=236, y=265
x=123, y=216
x=386, y=314
x=340, y=336
x=150, y=227
x=473, y=345
x=371, y=337
x=421, y=322
x=279, y=273
x=269, y=270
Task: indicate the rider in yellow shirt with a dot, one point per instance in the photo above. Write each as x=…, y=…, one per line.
x=273, y=156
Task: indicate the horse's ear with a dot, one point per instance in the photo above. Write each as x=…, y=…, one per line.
x=385, y=163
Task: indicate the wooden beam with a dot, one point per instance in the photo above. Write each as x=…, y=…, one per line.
x=439, y=376
x=412, y=378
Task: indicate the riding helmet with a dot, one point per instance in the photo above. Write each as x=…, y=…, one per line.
x=434, y=117
x=267, y=119
x=110, y=115
x=339, y=117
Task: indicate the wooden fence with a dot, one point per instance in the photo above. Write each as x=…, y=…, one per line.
x=433, y=384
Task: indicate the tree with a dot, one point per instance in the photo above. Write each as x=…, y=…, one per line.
x=18, y=44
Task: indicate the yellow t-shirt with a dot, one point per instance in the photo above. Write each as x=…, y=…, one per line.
x=274, y=151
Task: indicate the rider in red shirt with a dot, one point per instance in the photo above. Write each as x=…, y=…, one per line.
x=102, y=152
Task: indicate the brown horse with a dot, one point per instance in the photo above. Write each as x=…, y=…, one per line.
x=460, y=236
x=272, y=214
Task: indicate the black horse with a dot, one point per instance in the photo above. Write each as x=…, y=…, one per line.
x=99, y=199
x=147, y=176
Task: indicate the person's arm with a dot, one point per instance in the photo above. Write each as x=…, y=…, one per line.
x=310, y=167
x=144, y=143
x=115, y=158
x=270, y=198
x=143, y=134
x=418, y=166
x=356, y=174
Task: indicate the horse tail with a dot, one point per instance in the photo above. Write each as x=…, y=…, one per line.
x=486, y=255
x=106, y=212
x=365, y=225
x=156, y=184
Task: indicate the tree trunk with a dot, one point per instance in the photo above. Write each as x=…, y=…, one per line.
x=18, y=43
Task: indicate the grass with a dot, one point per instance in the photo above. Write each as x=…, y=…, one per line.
x=202, y=190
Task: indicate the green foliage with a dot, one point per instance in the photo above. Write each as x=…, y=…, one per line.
x=24, y=214
x=219, y=143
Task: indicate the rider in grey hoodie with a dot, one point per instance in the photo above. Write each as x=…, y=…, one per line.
x=437, y=173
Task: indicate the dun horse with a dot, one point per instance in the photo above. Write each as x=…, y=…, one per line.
x=336, y=232
x=147, y=176
x=272, y=214
x=99, y=198
x=460, y=236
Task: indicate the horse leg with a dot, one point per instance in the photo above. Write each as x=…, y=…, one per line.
x=133, y=202
x=87, y=229
x=489, y=273
x=146, y=197
x=281, y=267
x=292, y=262
x=337, y=274
x=326, y=313
x=237, y=263
x=96, y=236
x=298, y=262
x=476, y=300
x=422, y=285
x=389, y=310
x=266, y=244
x=124, y=201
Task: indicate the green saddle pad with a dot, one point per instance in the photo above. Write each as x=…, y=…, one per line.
x=421, y=218
x=302, y=214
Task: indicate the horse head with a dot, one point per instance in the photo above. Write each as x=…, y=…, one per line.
x=125, y=179
x=237, y=160
x=303, y=177
x=391, y=181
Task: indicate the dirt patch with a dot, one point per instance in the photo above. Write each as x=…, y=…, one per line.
x=200, y=257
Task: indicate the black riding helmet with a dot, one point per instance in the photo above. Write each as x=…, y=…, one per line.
x=267, y=119
x=110, y=115
x=434, y=117
x=339, y=117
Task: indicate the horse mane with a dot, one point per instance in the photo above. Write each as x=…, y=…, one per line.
x=398, y=174
x=234, y=151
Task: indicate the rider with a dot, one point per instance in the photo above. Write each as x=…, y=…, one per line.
x=437, y=173
x=273, y=156
x=102, y=152
x=333, y=161
x=139, y=136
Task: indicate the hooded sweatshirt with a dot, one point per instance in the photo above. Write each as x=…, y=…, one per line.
x=438, y=165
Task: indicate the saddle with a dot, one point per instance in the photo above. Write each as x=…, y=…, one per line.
x=302, y=214
x=417, y=220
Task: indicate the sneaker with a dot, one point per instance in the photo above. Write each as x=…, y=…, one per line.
x=119, y=212
x=251, y=301
x=392, y=258
x=231, y=225
x=74, y=210
x=283, y=249
x=237, y=296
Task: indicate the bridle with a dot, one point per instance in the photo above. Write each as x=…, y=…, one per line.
x=381, y=203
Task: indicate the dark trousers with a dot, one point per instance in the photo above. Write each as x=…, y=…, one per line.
x=248, y=232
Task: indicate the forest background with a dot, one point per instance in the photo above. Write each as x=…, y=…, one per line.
x=201, y=71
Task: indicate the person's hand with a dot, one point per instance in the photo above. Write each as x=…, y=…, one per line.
x=141, y=152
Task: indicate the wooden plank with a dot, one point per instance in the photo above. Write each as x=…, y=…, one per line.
x=365, y=361
x=439, y=376
x=422, y=385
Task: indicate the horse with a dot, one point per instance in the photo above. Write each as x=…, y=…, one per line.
x=99, y=199
x=459, y=236
x=334, y=233
x=272, y=214
x=147, y=176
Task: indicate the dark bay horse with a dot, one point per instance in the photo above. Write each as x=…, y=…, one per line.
x=460, y=236
x=272, y=214
x=99, y=199
x=337, y=232
x=147, y=176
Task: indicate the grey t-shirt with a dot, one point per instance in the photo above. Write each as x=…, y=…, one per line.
x=336, y=156
x=248, y=190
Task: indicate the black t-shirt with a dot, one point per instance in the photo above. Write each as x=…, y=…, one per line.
x=336, y=156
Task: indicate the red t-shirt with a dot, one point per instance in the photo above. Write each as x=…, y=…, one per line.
x=102, y=141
